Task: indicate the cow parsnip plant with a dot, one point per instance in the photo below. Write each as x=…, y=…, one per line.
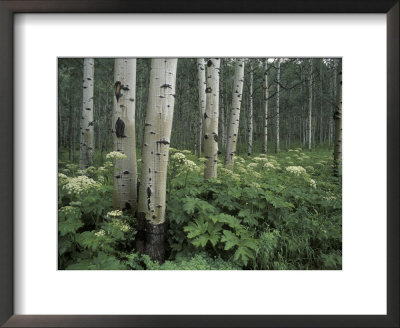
x=275, y=212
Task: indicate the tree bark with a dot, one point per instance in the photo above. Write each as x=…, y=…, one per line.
x=71, y=129
x=266, y=95
x=124, y=135
x=156, y=142
x=210, y=119
x=277, y=106
x=201, y=80
x=310, y=95
x=250, y=122
x=337, y=154
x=321, y=131
x=233, y=127
x=87, y=125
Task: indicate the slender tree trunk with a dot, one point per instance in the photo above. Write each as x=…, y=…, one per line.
x=310, y=96
x=86, y=127
x=337, y=154
x=233, y=128
x=124, y=134
x=210, y=117
x=266, y=95
x=71, y=129
x=250, y=122
x=321, y=132
x=157, y=134
x=222, y=110
x=277, y=106
x=201, y=80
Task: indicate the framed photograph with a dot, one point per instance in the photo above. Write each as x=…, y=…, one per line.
x=166, y=164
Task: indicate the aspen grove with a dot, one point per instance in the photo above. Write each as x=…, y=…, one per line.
x=200, y=163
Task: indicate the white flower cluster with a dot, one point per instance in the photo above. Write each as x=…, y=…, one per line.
x=100, y=233
x=260, y=159
x=202, y=160
x=178, y=156
x=115, y=155
x=235, y=176
x=185, y=151
x=124, y=227
x=79, y=184
x=252, y=166
x=62, y=176
x=296, y=170
x=313, y=183
x=191, y=165
x=268, y=165
x=239, y=159
x=114, y=214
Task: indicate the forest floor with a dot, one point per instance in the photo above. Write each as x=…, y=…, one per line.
x=277, y=212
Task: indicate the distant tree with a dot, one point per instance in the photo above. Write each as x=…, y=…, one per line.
x=337, y=154
x=233, y=127
x=201, y=84
x=265, y=96
x=250, y=120
x=310, y=97
x=278, y=81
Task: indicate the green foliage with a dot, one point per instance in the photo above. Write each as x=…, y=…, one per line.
x=280, y=212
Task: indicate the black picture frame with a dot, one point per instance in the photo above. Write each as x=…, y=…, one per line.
x=9, y=7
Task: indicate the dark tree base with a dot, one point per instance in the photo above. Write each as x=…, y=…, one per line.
x=155, y=241
x=140, y=240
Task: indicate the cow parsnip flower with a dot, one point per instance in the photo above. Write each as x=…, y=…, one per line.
x=79, y=184
x=115, y=155
x=114, y=214
x=296, y=170
x=100, y=233
x=178, y=156
x=269, y=166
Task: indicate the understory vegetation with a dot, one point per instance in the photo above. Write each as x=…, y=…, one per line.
x=271, y=212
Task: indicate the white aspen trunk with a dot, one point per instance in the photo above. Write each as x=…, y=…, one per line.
x=266, y=95
x=124, y=134
x=337, y=154
x=86, y=123
x=233, y=127
x=222, y=109
x=210, y=117
x=321, y=132
x=277, y=106
x=310, y=96
x=156, y=142
x=250, y=122
x=201, y=82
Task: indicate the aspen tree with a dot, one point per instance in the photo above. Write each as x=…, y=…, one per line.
x=156, y=141
x=124, y=134
x=201, y=82
x=337, y=154
x=310, y=96
x=233, y=127
x=266, y=95
x=86, y=123
x=210, y=119
x=250, y=122
x=321, y=97
x=278, y=80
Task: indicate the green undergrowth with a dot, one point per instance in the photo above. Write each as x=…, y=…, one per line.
x=276, y=212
